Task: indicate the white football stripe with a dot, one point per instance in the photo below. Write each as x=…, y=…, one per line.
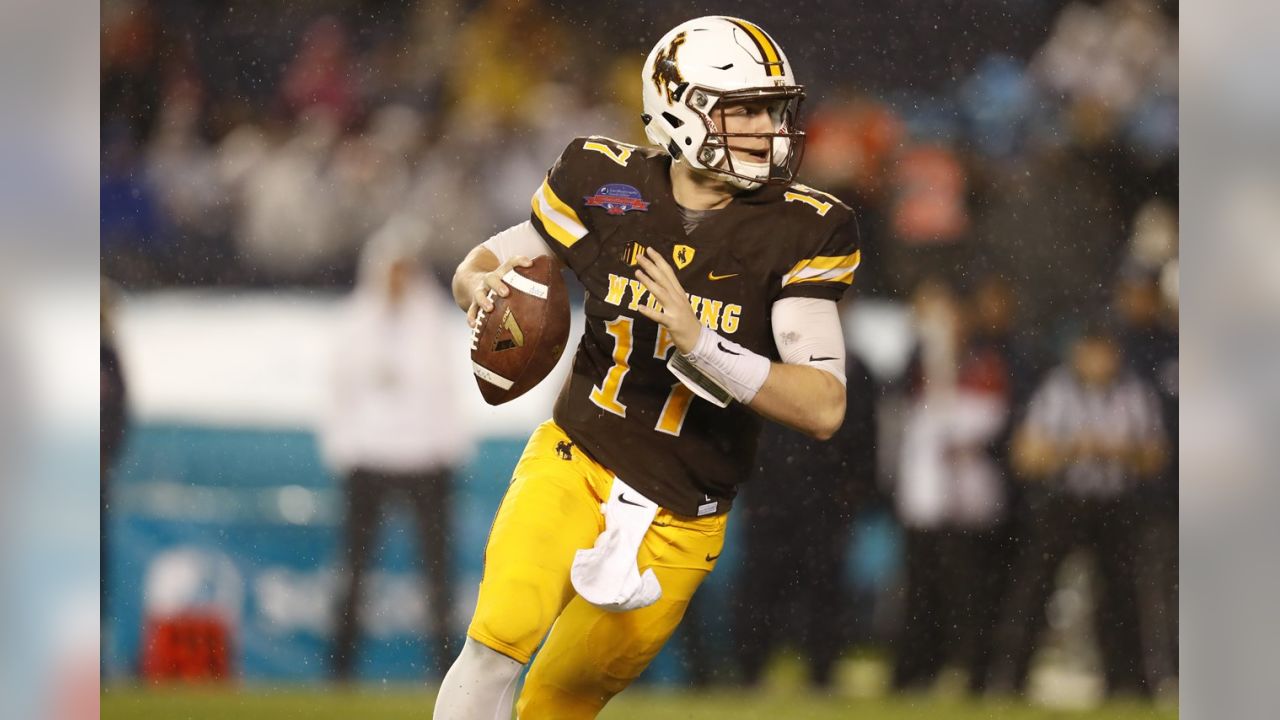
x=568, y=224
x=525, y=285
x=490, y=376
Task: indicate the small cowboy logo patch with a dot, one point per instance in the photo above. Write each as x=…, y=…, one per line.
x=682, y=255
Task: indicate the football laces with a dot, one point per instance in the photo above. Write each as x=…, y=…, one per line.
x=475, y=329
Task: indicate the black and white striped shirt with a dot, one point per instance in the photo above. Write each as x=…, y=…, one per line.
x=1066, y=411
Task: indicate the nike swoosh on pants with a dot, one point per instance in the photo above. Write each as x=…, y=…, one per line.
x=623, y=499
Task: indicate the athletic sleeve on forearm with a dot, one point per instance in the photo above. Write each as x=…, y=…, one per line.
x=520, y=239
x=807, y=332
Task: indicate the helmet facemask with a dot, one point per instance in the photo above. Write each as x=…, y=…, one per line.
x=786, y=142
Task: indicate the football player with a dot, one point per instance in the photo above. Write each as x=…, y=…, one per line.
x=711, y=285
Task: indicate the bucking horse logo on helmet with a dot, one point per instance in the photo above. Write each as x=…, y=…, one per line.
x=666, y=74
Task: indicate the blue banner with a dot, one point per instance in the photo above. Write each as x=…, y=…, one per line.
x=248, y=522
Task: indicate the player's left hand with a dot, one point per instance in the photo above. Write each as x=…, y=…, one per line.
x=676, y=315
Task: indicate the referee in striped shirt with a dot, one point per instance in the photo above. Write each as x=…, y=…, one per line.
x=1092, y=434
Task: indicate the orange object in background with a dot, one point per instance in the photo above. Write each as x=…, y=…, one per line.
x=194, y=645
x=930, y=192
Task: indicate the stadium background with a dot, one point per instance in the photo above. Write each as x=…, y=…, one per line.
x=249, y=149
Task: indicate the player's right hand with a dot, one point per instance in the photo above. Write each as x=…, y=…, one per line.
x=491, y=282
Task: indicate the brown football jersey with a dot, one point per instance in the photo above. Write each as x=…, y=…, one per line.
x=604, y=202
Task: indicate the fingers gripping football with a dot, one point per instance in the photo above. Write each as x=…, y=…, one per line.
x=675, y=313
x=520, y=338
x=491, y=285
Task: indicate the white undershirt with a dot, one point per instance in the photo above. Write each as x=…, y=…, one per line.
x=806, y=331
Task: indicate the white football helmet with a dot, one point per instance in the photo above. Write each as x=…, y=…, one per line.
x=708, y=63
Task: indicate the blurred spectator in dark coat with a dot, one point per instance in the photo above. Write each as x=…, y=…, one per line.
x=994, y=334
x=1151, y=346
x=392, y=428
x=796, y=518
x=950, y=494
x=1091, y=437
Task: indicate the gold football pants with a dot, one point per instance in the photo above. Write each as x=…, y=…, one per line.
x=551, y=510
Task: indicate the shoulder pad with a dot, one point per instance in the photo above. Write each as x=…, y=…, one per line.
x=616, y=151
x=823, y=203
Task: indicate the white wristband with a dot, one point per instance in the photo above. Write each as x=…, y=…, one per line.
x=718, y=369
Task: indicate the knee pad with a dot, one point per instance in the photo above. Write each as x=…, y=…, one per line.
x=515, y=630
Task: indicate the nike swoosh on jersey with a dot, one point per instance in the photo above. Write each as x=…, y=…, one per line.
x=622, y=498
x=712, y=558
x=725, y=349
x=713, y=276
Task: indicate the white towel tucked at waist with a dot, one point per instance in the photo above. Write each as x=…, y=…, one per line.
x=607, y=574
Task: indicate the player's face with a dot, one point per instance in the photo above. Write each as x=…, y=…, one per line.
x=748, y=117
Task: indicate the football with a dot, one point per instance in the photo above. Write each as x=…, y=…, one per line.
x=516, y=344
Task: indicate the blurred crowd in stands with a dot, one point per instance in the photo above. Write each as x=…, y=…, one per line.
x=1014, y=170
x=263, y=143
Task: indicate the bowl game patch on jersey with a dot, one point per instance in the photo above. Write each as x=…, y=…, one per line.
x=617, y=199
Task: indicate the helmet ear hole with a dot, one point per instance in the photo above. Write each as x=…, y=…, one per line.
x=688, y=141
x=672, y=120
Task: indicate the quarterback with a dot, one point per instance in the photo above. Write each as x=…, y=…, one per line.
x=711, y=281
